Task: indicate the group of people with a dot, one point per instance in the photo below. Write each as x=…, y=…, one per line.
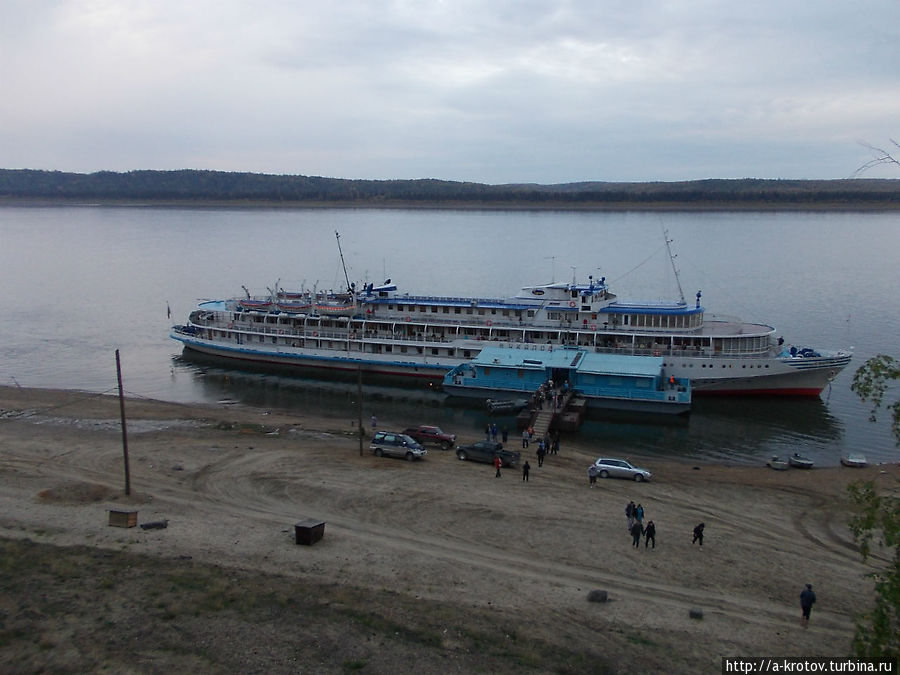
x=635, y=515
x=547, y=445
x=550, y=392
x=550, y=444
x=491, y=432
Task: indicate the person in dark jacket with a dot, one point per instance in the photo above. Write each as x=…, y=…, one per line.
x=698, y=534
x=650, y=531
x=807, y=600
x=526, y=469
x=636, y=532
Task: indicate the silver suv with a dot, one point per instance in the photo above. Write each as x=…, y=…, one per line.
x=396, y=445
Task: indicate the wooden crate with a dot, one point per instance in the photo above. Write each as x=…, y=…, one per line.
x=309, y=531
x=122, y=518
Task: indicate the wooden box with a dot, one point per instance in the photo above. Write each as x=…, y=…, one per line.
x=122, y=518
x=309, y=531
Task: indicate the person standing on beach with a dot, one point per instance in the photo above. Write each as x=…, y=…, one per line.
x=526, y=469
x=639, y=514
x=629, y=513
x=497, y=464
x=698, y=534
x=636, y=532
x=525, y=439
x=592, y=475
x=650, y=531
x=540, y=454
x=807, y=600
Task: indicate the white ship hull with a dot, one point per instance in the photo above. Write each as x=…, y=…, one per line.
x=797, y=376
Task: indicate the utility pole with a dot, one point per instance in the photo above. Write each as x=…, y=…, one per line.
x=359, y=404
x=124, y=431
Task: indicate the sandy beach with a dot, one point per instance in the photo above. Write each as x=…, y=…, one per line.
x=232, y=481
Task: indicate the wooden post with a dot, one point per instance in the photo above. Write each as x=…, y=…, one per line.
x=359, y=404
x=124, y=431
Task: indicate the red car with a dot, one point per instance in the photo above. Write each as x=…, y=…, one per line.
x=428, y=434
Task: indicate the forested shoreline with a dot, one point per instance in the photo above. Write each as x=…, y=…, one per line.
x=185, y=187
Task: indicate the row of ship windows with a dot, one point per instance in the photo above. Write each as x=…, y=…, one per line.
x=422, y=309
x=636, y=320
x=376, y=348
x=724, y=365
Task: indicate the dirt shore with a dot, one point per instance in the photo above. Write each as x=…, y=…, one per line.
x=497, y=570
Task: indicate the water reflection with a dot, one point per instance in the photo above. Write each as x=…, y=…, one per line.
x=732, y=430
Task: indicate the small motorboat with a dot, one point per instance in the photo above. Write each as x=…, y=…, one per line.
x=854, y=459
x=799, y=461
x=495, y=405
x=778, y=464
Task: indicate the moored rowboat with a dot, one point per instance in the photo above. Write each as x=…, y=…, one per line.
x=799, y=461
x=854, y=459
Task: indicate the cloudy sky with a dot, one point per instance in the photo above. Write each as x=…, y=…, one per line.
x=493, y=91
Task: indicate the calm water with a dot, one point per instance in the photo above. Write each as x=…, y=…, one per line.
x=80, y=282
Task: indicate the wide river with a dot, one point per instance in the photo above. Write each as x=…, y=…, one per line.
x=80, y=282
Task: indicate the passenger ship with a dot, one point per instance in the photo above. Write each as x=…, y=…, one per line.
x=379, y=330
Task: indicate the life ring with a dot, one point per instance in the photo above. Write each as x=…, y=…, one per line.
x=408, y=319
x=593, y=326
x=488, y=322
x=281, y=332
x=831, y=375
x=315, y=334
x=571, y=303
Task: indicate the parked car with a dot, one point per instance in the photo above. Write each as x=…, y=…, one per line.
x=396, y=445
x=428, y=434
x=485, y=451
x=619, y=468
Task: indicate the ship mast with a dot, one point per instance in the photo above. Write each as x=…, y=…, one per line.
x=672, y=260
x=343, y=264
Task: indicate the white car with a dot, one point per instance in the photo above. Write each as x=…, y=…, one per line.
x=619, y=468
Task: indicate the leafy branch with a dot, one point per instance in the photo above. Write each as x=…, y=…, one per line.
x=872, y=381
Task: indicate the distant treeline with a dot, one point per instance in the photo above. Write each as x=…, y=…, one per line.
x=193, y=186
